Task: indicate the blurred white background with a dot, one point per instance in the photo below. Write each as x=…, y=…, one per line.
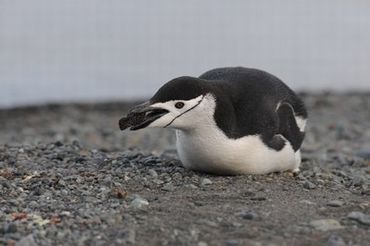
x=93, y=50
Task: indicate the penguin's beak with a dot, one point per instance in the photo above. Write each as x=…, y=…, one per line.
x=141, y=116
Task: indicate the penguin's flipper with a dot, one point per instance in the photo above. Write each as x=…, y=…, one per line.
x=288, y=126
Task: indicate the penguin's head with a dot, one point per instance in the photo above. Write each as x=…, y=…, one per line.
x=180, y=103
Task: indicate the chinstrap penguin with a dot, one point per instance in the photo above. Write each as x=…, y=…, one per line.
x=228, y=121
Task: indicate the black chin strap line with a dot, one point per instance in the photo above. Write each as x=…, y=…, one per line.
x=185, y=112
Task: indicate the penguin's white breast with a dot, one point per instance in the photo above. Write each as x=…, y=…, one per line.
x=214, y=152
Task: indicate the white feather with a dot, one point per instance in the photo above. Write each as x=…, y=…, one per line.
x=206, y=148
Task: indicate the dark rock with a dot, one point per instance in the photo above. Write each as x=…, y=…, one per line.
x=249, y=215
x=231, y=242
x=258, y=198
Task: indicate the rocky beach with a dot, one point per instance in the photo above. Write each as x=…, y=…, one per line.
x=69, y=176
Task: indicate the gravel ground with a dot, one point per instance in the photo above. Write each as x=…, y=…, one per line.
x=68, y=176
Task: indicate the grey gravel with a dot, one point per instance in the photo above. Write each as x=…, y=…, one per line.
x=68, y=176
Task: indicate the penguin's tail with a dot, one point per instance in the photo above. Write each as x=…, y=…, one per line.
x=288, y=125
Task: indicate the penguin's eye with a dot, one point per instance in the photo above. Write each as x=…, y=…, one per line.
x=179, y=105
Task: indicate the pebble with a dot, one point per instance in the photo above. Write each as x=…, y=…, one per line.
x=359, y=217
x=364, y=153
x=358, y=181
x=325, y=224
x=202, y=244
x=27, y=241
x=153, y=173
x=248, y=215
x=308, y=202
x=192, y=186
x=335, y=240
x=205, y=182
x=335, y=203
x=168, y=187
x=258, y=198
x=231, y=242
x=139, y=202
x=9, y=228
x=309, y=185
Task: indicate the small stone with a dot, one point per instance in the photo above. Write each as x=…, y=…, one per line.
x=168, y=187
x=27, y=241
x=58, y=144
x=65, y=213
x=153, y=173
x=236, y=224
x=358, y=181
x=119, y=193
x=208, y=223
x=325, y=224
x=258, y=198
x=192, y=186
x=335, y=203
x=364, y=153
x=308, y=202
x=335, y=240
x=202, y=244
x=139, y=202
x=205, y=182
x=366, y=191
x=248, y=215
x=231, y=242
x=158, y=181
x=309, y=185
x=359, y=217
x=10, y=228
x=33, y=204
x=131, y=237
x=340, y=173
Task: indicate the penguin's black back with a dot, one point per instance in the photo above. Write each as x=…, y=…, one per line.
x=247, y=104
